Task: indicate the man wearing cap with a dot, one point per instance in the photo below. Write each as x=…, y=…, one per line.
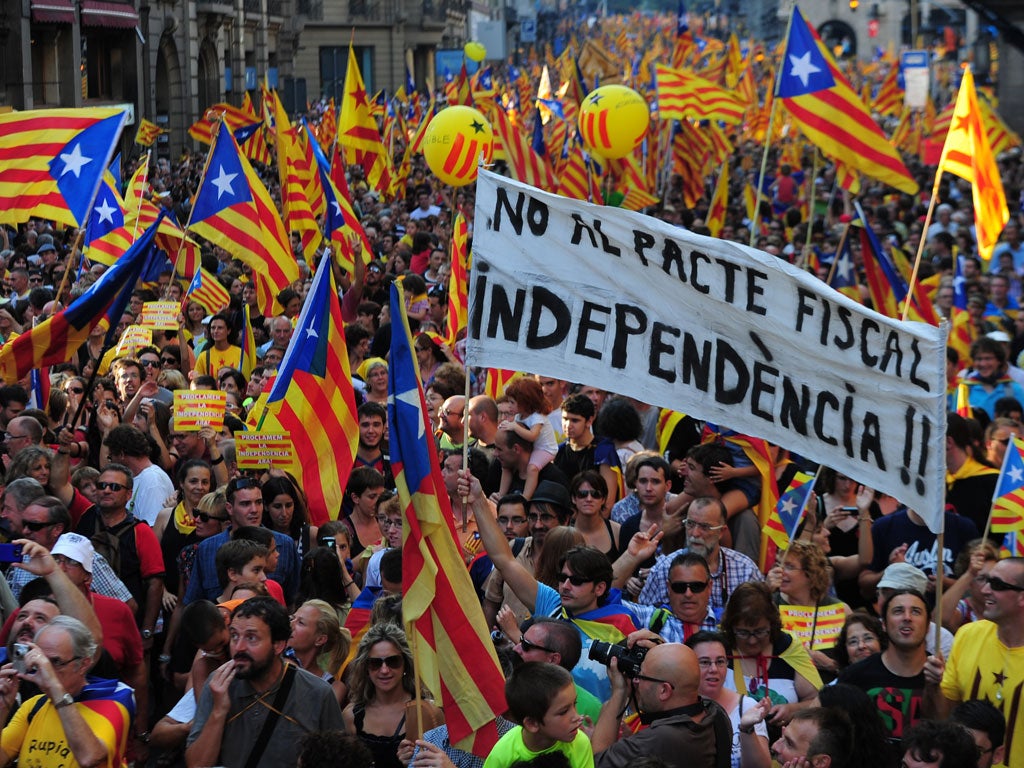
x=549, y=508
x=121, y=638
x=584, y=595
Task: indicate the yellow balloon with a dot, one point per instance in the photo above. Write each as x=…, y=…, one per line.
x=453, y=143
x=614, y=120
x=475, y=51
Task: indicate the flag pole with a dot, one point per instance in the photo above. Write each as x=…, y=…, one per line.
x=138, y=210
x=835, y=259
x=768, y=139
x=924, y=239
x=810, y=212
x=202, y=177
x=995, y=493
x=67, y=266
x=792, y=533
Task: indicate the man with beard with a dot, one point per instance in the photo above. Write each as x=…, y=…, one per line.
x=255, y=708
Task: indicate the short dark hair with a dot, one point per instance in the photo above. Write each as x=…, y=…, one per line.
x=563, y=638
x=655, y=462
x=13, y=393
x=201, y=619
x=271, y=612
x=129, y=478
x=370, y=408
x=708, y=636
x=391, y=566
x=689, y=560
x=710, y=455
x=362, y=478
x=981, y=715
x=949, y=744
x=127, y=440
x=234, y=555
x=579, y=405
x=530, y=689
x=896, y=593
x=589, y=562
x=835, y=733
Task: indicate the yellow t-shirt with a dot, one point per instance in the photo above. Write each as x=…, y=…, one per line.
x=211, y=360
x=981, y=667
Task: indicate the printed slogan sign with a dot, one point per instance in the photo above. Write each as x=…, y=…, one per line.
x=263, y=450
x=710, y=328
x=195, y=409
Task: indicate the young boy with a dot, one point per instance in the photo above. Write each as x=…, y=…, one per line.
x=240, y=560
x=542, y=699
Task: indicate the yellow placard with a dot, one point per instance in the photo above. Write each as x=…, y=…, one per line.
x=160, y=315
x=194, y=410
x=817, y=627
x=134, y=338
x=263, y=450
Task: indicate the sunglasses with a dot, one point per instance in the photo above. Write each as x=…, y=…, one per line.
x=150, y=363
x=241, y=483
x=75, y=390
x=101, y=486
x=591, y=493
x=680, y=587
x=392, y=662
x=35, y=527
x=576, y=581
x=527, y=646
x=169, y=360
x=205, y=517
x=998, y=585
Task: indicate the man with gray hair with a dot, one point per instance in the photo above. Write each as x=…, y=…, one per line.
x=83, y=721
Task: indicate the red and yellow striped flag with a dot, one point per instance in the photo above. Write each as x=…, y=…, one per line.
x=719, y=203
x=458, y=283
x=207, y=290
x=358, y=132
x=147, y=133
x=682, y=95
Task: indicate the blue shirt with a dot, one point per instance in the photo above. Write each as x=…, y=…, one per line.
x=204, y=584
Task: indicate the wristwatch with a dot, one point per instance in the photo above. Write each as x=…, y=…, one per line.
x=64, y=701
x=143, y=737
x=146, y=634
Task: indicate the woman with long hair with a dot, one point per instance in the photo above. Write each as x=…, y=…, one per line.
x=320, y=644
x=382, y=682
x=175, y=525
x=588, y=492
x=284, y=511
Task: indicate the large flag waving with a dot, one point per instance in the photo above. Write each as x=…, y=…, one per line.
x=1008, y=501
x=458, y=283
x=312, y=399
x=456, y=658
x=57, y=338
x=234, y=210
x=830, y=113
x=968, y=155
x=52, y=161
x=358, y=132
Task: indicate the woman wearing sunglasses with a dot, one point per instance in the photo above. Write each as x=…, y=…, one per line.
x=77, y=433
x=589, y=491
x=381, y=685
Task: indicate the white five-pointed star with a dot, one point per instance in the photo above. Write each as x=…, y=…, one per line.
x=311, y=329
x=788, y=505
x=410, y=397
x=106, y=212
x=337, y=209
x=223, y=183
x=73, y=161
x=1017, y=475
x=802, y=67
x=843, y=268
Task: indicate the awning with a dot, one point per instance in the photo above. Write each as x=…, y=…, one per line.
x=53, y=11
x=96, y=13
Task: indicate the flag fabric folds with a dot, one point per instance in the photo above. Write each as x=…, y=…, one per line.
x=107, y=235
x=1008, y=501
x=683, y=95
x=147, y=133
x=455, y=655
x=967, y=154
x=207, y=290
x=312, y=399
x=829, y=111
x=785, y=518
x=719, y=203
x=458, y=282
x=233, y=210
x=358, y=132
x=56, y=339
x=526, y=165
x=52, y=162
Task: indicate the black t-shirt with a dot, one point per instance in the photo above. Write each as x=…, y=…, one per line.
x=898, y=699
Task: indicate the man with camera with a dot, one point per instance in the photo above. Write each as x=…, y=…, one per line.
x=661, y=682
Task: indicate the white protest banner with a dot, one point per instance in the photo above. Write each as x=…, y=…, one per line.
x=711, y=328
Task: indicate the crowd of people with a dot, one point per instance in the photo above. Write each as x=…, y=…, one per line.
x=166, y=608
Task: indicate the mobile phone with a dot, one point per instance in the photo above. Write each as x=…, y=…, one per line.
x=18, y=658
x=10, y=553
x=849, y=510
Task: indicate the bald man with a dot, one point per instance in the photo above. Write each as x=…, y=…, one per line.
x=680, y=722
x=451, y=432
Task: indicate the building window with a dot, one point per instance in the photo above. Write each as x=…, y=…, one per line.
x=334, y=62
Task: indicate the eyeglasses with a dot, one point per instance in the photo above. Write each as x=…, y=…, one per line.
x=998, y=585
x=790, y=567
x=9, y=436
x=505, y=522
x=588, y=493
x=638, y=676
x=35, y=526
x=169, y=360
x=56, y=663
x=746, y=634
x=721, y=662
x=692, y=525
x=75, y=390
x=102, y=486
x=393, y=662
x=150, y=363
x=573, y=579
x=547, y=517
x=384, y=522
x=205, y=517
x=527, y=646
x=680, y=587
x=66, y=561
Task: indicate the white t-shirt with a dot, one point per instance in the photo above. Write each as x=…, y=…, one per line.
x=152, y=487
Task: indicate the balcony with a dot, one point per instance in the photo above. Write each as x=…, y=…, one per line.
x=311, y=9
x=374, y=11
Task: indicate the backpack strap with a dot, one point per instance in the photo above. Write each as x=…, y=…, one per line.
x=274, y=714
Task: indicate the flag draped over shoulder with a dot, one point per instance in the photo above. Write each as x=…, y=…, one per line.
x=312, y=399
x=234, y=210
x=1008, y=502
x=52, y=162
x=967, y=154
x=830, y=113
x=455, y=655
x=56, y=339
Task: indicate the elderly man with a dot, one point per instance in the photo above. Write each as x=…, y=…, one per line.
x=76, y=721
x=680, y=722
x=689, y=601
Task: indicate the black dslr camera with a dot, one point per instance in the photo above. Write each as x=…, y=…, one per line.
x=630, y=659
